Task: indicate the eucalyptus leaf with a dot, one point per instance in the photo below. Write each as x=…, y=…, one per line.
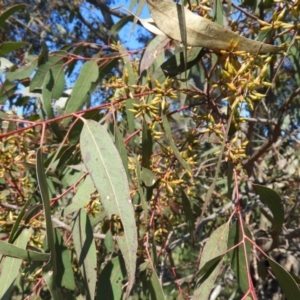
x=200, y=31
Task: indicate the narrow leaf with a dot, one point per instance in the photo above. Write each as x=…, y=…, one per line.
x=146, y=145
x=43, y=187
x=81, y=198
x=14, y=251
x=200, y=31
x=121, y=148
x=157, y=290
x=11, y=266
x=53, y=87
x=105, y=166
x=120, y=24
x=88, y=74
x=152, y=50
x=56, y=58
x=6, y=14
x=111, y=281
x=7, y=89
x=8, y=47
x=65, y=274
x=23, y=72
x=86, y=252
x=172, y=143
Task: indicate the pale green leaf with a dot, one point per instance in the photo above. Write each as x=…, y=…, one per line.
x=86, y=252
x=106, y=169
x=10, y=266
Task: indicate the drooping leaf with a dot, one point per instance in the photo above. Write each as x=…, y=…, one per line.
x=7, y=89
x=111, y=280
x=172, y=143
x=273, y=201
x=43, y=187
x=129, y=103
x=175, y=64
x=53, y=87
x=13, y=232
x=6, y=14
x=119, y=141
x=10, y=266
x=200, y=31
x=8, y=47
x=65, y=274
x=81, y=198
x=218, y=12
x=56, y=58
x=14, y=251
x=120, y=24
x=106, y=169
x=88, y=74
x=86, y=252
x=285, y=280
x=214, y=247
x=23, y=72
x=146, y=145
x=156, y=288
x=155, y=46
x=188, y=212
x=237, y=255
x=50, y=280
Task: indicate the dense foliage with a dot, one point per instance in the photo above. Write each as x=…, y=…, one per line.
x=168, y=171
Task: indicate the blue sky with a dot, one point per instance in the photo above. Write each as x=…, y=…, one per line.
x=130, y=39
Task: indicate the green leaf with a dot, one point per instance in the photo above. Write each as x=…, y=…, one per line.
x=53, y=87
x=65, y=274
x=7, y=90
x=43, y=187
x=155, y=46
x=109, y=242
x=14, y=251
x=172, y=143
x=86, y=252
x=218, y=10
x=206, y=271
x=111, y=280
x=8, y=47
x=13, y=232
x=271, y=199
x=142, y=191
x=147, y=145
x=188, y=212
x=6, y=14
x=141, y=4
x=156, y=288
x=23, y=72
x=237, y=255
x=81, y=198
x=88, y=74
x=50, y=280
x=175, y=64
x=105, y=166
x=121, y=148
x=57, y=58
x=120, y=24
x=148, y=177
x=215, y=247
x=10, y=266
x=285, y=280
